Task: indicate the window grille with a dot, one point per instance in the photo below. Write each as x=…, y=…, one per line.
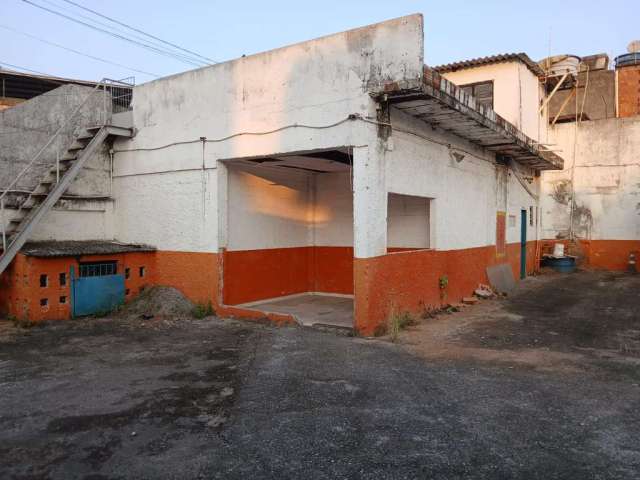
x=98, y=269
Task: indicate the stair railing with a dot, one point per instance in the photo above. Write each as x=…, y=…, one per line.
x=102, y=85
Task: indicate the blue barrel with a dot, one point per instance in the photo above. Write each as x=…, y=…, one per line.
x=563, y=264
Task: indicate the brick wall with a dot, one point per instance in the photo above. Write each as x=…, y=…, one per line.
x=629, y=91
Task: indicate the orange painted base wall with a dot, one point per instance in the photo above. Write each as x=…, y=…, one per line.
x=251, y=275
x=606, y=254
x=21, y=294
x=194, y=274
x=409, y=281
x=406, y=280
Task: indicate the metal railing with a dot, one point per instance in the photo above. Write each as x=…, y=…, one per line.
x=120, y=93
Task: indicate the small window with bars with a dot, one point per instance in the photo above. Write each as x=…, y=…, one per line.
x=482, y=91
x=98, y=269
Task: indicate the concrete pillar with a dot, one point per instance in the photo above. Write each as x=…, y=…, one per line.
x=369, y=203
x=369, y=234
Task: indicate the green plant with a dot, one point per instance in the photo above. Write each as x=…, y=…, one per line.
x=21, y=322
x=443, y=283
x=381, y=330
x=202, y=310
x=398, y=321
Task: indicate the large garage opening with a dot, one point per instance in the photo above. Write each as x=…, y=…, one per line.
x=290, y=236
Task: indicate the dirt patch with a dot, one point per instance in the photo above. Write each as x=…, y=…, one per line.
x=569, y=322
x=158, y=302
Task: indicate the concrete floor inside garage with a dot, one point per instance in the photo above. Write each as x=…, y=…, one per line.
x=311, y=309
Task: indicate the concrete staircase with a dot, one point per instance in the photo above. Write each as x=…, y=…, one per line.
x=32, y=210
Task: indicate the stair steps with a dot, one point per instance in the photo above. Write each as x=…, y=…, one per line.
x=38, y=203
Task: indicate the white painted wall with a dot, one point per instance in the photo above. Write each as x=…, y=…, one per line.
x=77, y=220
x=272, y=207
x=465, y=195
x=516, y=93
x=269, y=208
x=463, y=208
x=408, y=221
x=518, y=199
x=606, y=181
x=333, y=210
x=315, y=83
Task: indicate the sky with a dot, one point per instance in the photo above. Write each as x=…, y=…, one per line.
x=224, y=30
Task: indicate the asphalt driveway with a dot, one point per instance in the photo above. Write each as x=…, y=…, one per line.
x=111, y=399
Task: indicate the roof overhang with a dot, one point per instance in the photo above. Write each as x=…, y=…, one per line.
x=490, y=60
x=440, y=103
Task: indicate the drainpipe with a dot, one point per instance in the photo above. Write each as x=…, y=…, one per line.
x=204, y=182
x=111, y=152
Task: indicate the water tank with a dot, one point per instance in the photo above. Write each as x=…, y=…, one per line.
x=558, y=65
x=631, y=58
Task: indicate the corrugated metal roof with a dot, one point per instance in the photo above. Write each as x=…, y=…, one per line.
x=503, y=57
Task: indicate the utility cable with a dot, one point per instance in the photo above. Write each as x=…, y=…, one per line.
x=175, y=56
x=140, y=31
x=104, y=24
x=77, y=52
x=27, y=70
x=239, y=134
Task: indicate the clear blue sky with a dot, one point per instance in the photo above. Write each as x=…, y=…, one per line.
x=224, y=30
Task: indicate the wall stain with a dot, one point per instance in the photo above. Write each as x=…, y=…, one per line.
x=562, y=192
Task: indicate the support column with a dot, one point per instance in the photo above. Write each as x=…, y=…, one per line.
x=369, y=233
x=369, y=203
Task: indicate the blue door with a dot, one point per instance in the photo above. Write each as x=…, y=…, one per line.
x=97, y=289
x=523, y=243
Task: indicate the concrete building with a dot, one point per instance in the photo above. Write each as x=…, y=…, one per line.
x=592, y=203
x=588, y=113
x=337, y=180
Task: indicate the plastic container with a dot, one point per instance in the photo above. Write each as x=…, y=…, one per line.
x=563, y=265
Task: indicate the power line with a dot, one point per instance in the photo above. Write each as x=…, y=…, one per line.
x=26, y=69
x=104, y=24
x=77, y=52
x=139, y=31
x=166, y=53
x=156, y=49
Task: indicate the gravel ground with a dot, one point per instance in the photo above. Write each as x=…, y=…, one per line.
x=123, y=398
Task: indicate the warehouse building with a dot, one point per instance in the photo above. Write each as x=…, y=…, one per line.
x=337, y=180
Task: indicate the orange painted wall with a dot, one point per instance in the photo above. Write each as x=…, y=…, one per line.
x=605, y=254
x=22, y=294
x=409, y=281
x=610, y=254
x=332, y=270
x=195, y=274
x=251, y=275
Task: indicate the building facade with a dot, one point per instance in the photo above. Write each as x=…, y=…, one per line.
x=339, y=168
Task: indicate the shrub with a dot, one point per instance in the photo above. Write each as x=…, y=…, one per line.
x=202, y=310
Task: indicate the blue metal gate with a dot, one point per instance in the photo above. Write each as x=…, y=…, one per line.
x=96, y=290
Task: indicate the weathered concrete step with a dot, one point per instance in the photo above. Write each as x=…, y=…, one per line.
x=76, y=146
